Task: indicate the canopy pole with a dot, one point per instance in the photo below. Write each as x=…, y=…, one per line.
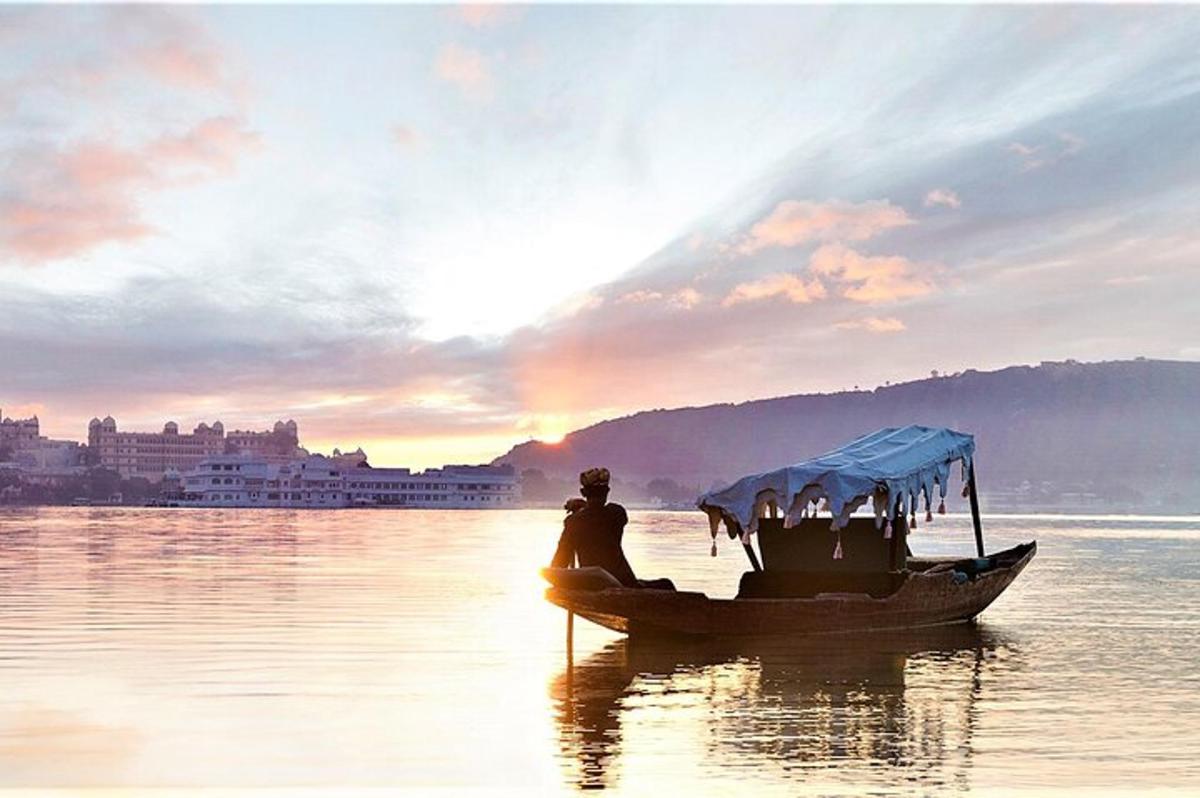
x=753, y=557
x=975, y=509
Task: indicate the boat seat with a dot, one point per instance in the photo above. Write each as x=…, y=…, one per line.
x=807, y=584
x=809, y=546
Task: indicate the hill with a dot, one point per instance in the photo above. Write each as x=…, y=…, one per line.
x=1112, y=435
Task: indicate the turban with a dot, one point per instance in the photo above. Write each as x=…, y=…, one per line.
x=594, y=477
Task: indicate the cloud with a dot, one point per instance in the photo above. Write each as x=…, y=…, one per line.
x=873, y=324
x=1072, y=144
x=465, y=68
x=790, y=286
x=483, y=15
x=942, y=196
x=405, y=137
x=180, y=64
x=64, y=202
x=871, y=279
x=684, y=298
x=70, y=184
x=796, y=222
x=1032, y=157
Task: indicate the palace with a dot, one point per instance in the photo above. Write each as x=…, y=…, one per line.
x=153, y=454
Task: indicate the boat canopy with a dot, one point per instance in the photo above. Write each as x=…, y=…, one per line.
x=893, y=468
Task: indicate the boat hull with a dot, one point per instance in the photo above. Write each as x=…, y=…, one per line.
x=926, y=598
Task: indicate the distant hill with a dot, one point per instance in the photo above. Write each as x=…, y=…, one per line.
x=1112, y=435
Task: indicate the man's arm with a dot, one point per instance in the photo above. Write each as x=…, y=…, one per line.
x=564, y=555
x=620, y=518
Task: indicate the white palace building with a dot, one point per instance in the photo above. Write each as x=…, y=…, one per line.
x=323, y=482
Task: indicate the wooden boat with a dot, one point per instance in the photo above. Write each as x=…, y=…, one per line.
x=818, y=575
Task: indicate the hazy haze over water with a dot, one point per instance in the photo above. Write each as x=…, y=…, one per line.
x=175, y=648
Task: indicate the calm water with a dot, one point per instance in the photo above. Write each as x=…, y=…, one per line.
x=410, y=649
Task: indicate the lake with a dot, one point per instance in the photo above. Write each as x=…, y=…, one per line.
x=412, y=650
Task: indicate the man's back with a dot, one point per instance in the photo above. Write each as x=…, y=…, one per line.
x=593, y=534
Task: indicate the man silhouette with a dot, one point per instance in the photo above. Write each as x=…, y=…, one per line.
x=592, y=533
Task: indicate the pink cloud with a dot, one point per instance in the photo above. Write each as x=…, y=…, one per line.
x=66, y=202
x=789, y=286
x=213, y=146
x=867, y=278
x=796, y=222
x=177, y=63
x=405, y=137
x=483, y=15
x=465, y=68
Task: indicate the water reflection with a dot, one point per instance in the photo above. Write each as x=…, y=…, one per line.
x=857, y=707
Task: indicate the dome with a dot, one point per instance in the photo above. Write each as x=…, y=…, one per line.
x=95, y=422
x=170, y=428
x=109, y=420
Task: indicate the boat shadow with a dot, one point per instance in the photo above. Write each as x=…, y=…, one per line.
x=857, y=705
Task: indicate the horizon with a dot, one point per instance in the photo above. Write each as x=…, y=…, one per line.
x=437, y=461
x=453, y=229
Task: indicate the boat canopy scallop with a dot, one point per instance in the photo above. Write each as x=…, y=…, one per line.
x=892, y=468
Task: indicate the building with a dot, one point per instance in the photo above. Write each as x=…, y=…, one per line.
x=18, y=433
x=280, y=444
x=21, y=443
x=152, y=454
x=322, y=482
x=456, y=487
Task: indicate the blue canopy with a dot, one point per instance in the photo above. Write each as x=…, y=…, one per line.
x=892, y=467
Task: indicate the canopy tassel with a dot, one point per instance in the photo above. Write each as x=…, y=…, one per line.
x=928, y=516
x=837, y=550
x=942, y=508
x=713, y=551
x=887, y=530
x=913, y=523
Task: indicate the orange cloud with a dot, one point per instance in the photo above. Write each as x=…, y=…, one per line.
x=686, y=298
x=465, y=68
x=773, y=285
x=796, y=222
x=873, y=324
x=868, y=278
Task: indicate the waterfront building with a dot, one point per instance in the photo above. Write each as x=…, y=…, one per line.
x=323, y=482
x=152, y=454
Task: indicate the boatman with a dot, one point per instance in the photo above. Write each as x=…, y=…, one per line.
x=592, y=533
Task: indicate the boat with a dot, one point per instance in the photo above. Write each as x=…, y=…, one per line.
x=820, y=567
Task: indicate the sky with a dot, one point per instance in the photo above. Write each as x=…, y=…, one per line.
x=438, y=231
